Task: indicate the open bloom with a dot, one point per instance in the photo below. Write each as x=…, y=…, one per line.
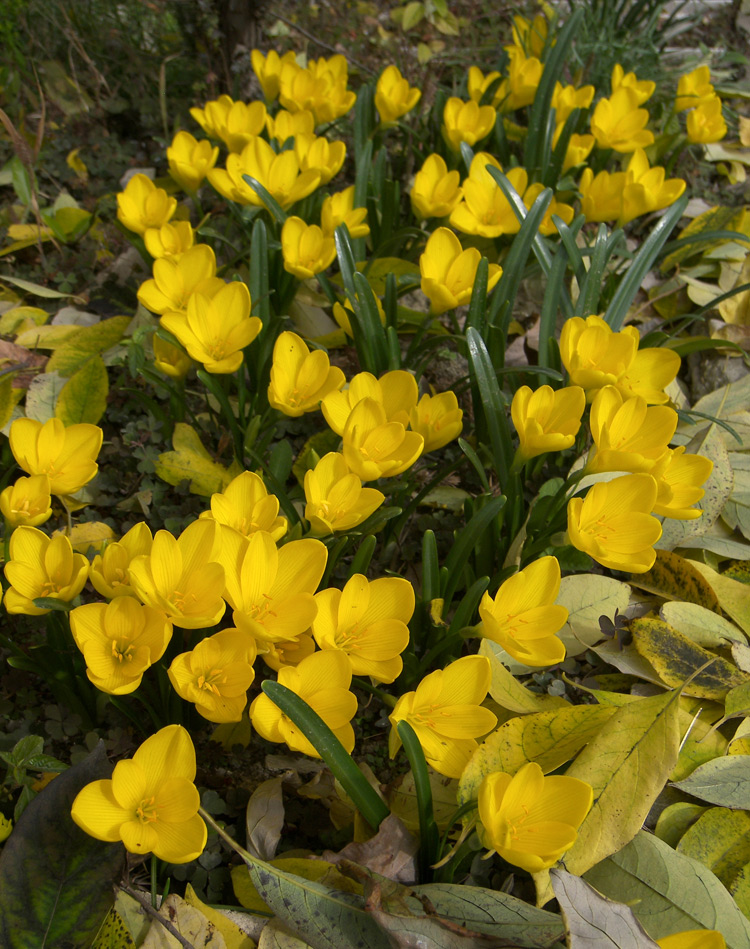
x=446, y=713
x=216, y=675
x=42, y=566
x=150, y=803
x=613, y=523
x=110, y=569
x=279, y=174
x=169, y=240
x=285, y=125
x=523, y=617
x=27, y=502
x=485, y=210
x=694, y=89
x=320, y=88
x=268, y=70
x=679, y=477
x=438, y=419
x=336, y=500
x=367, y=620
x=646, y=189
x=176, y=279
x=705, y=123
x=448, y=271
x=436, y=191
x=66, y=454
x=246, y=506
x=373, y=447
x=530, y=819
x=618, y=123
x=190, y=160
x=305, y=248
x=338, y=209
x=396, y=391
x=628, y=435
x=545, y=419
x=142, y=205
x=466, y=122
x=323, y=681
x=119, y=641
x=394, y=96
x=300, y=379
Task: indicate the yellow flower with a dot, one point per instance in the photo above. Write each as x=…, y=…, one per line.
x=373, y=447
x=218, y=328
x=523, y=617
x=322, y=680
x=396, y=391
x=613, y=523
x=628, y=435
x=175, y=280
x=446, y=713
x=318, y=154
x=642, y=88
x=436, y=191
x=213, y=116
x=246, y=506
x=530, y=819
x=530, y=35
x=394, y=96
x=278, y=173
x=336, y=500
x=271, y=589
x=268, y=70
x=142, y=205
x=524, y=76
x=189, y=160
x=693, y=938
x=694, y=89
x=27, y=502
x=466, y=122
x=216, y=675
x=305, y=248
x=558, y=208
x=285, y=125
x=601, y=196
x=705, y=124
x=67, y=455
x=485, y=210
x=368, y=621
x=567, y=98
x=578, y=150
x=338, y=209
x=618, y=123
x=343, y=314
x=438, y=419
x=300, y=378
x=289, y=653
x=119, y=641
x=448, y=271
x=236, y=123
x=182, y=577
x=110, y=569
x=151, y=803
x=678, y=478
x=545, y=419
x=321, y=88
x=169, y=240
x=646, y=189
x=41, y=566
x=169, y=359
x=477, y=84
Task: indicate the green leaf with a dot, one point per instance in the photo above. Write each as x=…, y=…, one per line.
x=83, y=398
x=268, y=200
x=88, y=341
x=724, y=781
x=56, y=881
x=34, y=288
x=465, y=542
x=720, y=839
x=490, y=404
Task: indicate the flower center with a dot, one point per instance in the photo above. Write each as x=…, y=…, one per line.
x=122, y=650
x=210, y=681
x=146, y=811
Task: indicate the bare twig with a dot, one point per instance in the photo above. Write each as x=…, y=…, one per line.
x=150, y=911
x=322, y=44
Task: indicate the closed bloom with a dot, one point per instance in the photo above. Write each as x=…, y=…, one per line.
x=322, y=680
x=642, y=88
x=373, y=447
x=343, y=314
x=466, y=122
x=705, y=124
x=397, y=392
x=151, y=803
x=175, y=280
x=279, y=174
x=485, y=211
x=546, y=419
x=448, y=271
x=216, y=675
x=169, y=359
x=268, y=70
x=694, y=89
x=305, y=248
x=679, y=477
x=368, y=621
x=41, y=566
x=613, y=523
x=646, y=189
x=320, y=155
x=169, y=240
x=142, y=205
x=190, y=160
x=285, y=125
x=557, y=208
x=446, y=713
x=524, y=76
x=338, y=209
x=216, y=329
x=477, y=84
x=628, y=435
x=27, y=502
x=530, y=35
x=693, y=939
x=523, y=618
x=119, y=641
x=601, y=195
x=300, y=379
x=110, y=574
x=438, y=419
x=578, y=150
x=336, y=500
x=567, y=98
x=618, y=123
x=321, y=88
x=246, y=506
x=436, y=191
x=531, y=820
x=66, y=454
x=235, y=123
x=394, y=96
x=213, y=116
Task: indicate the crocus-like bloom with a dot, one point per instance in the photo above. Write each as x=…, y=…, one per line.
x=270, y=589
x=246, y=506
x=466, y=122
x=530, y=819
x=643, y=88
x=343, y=314
x=338, y=209
x=300, y=378
x=305, y=248
x=477, y=84
x=524, y=76
x=368, y=621
x=169, y=359
x=679, y=477
x=394, y=96
x=613, y=523
x=628, y=435
x=485, y=211
x=321, y=88
x=618, y=123
x=438, y=419
x=373, y=447
x=578, y=150
x=182, y=577
x=555, y=208
x=436, y=191
x=110, y=569
x=278, y=173
x=646, y=188
x=530, y=35
x=190, y=160
x=446, y=713
x=595, y=356
x=336, y=500
x=320, y=155
x=213, y=116
x=288, y=653
x=705, y=124
x=693, y=938
x=601, y=195
x=142, y=205
x=523, y=617
x=27, y=502
x=322, y=680
x=169, y=240
x=67, y=455
x=268, y=70
x=397, y=391
x=448, y=271
x=235, y=123
x=42, y=566
x=694, y=89
x=151, y=803
x=567, y=98
x=176, y=279
x=216, y=675
x=285, y=125
x=216, y=329
x=119, y=641
x=545, y=419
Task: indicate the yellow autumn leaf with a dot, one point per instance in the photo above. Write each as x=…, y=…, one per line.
x=508, y=692
x=89, y=534
x=733, y=597
x=190, y=461
x=315, y=871
x=88, y=341
x=9, y=398
x=83, y=398
x=189, y=922
x=29, y=316
x=47, y=337
x=114, y=934
x=720, y=840
x=233, y=935
x=675, y=578
x=77, y=164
